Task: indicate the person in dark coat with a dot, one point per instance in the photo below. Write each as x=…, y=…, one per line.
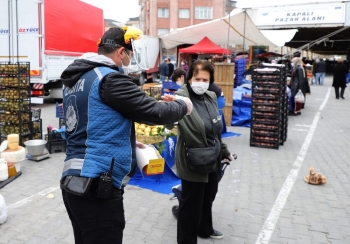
x=297, y=82
x=320, y=71
x=339, y=78
x=171, y=68
x=164, y=70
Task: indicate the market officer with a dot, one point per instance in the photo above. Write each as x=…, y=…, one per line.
x=101, y=105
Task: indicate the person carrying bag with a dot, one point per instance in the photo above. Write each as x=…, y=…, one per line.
x=199, y=151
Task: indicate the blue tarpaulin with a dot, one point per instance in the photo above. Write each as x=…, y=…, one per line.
x=241, y=109
x=164, y=182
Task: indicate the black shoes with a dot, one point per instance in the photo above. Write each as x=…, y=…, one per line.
x=343, y=97
x=217, y=235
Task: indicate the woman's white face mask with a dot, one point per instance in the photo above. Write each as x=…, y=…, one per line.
x=199, y=87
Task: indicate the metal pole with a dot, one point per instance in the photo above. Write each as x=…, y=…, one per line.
x=229, y=27
x=9, y=9
x=245, y=16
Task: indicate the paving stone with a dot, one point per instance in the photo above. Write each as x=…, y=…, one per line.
x=332, y=215
x=302, y=230
x=316, y=226
x=319, y=237
x=300, y=220
x=338, y=241
x=287, y=233
x=337, y=234
x=303, y=239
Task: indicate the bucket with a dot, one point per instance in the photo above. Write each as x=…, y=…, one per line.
x=35, y=147
x=4, y=174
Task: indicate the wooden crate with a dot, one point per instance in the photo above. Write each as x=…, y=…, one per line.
x=223, y=77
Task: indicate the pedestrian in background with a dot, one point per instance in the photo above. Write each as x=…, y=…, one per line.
x=101, y=105
x=314, y=71
x=201, y=129
x=297, y=82
x=320, y=71
x=339, y=78
x=178, y=76
x=171, y=68
x=184, y=65
x=164, y=70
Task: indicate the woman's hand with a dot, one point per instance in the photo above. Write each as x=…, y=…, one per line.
x=230, y=158
x=140, y=145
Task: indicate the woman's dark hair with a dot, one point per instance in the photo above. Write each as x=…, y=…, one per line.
x=112, y=40
x=177, y=74
x=201, y=65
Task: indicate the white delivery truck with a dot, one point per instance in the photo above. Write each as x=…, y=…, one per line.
x=49, y=34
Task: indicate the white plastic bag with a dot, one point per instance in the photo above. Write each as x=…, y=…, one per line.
x=299, y=97
x=3, y=210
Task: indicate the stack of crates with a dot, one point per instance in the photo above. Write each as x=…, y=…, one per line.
x=284, y=98
x=268, y=94
x=37, y=124
x=239, y=70
x=55, y=142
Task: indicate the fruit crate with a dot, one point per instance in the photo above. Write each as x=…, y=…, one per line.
x=149, y=139
x=53, y=136
x=15, y=107
x=156, y=92
x=56, y=146
x=36, y=113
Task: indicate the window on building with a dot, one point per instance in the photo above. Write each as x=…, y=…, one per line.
x=163, y=13
x=163, y=31
x=184, y=13
x=204, y=13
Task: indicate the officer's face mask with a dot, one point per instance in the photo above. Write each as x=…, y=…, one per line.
x=125, y=65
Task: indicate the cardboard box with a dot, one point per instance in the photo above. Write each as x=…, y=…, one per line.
x=155, y=167
x=149, y=160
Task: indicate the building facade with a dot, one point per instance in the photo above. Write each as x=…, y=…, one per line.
x=160, y=17
x=133, y=22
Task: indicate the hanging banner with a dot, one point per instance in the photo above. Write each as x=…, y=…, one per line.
x=302, y=15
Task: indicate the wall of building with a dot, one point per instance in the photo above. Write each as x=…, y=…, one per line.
x=150, y=23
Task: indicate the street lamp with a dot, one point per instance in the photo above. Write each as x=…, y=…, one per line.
x=230, y=5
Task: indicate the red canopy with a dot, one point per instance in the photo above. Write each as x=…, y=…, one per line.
x=205, y=46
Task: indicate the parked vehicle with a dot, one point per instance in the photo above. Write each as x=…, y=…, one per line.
x=49, y=34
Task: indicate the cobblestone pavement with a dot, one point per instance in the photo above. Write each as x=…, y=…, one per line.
x=262, y=198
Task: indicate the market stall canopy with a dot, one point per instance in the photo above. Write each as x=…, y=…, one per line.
x=242, y=30
x=205, y=46
x=268, y=55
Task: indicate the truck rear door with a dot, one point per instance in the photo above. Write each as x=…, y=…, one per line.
x=20, y=29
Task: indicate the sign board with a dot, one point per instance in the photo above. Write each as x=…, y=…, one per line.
x=302, y=15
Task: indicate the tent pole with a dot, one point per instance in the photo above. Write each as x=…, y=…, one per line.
x=229, y=27
x=245, y=16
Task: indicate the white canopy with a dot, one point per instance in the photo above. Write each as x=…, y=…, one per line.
x=217, y=30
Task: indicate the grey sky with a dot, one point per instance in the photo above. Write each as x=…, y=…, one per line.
x=122, y=10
